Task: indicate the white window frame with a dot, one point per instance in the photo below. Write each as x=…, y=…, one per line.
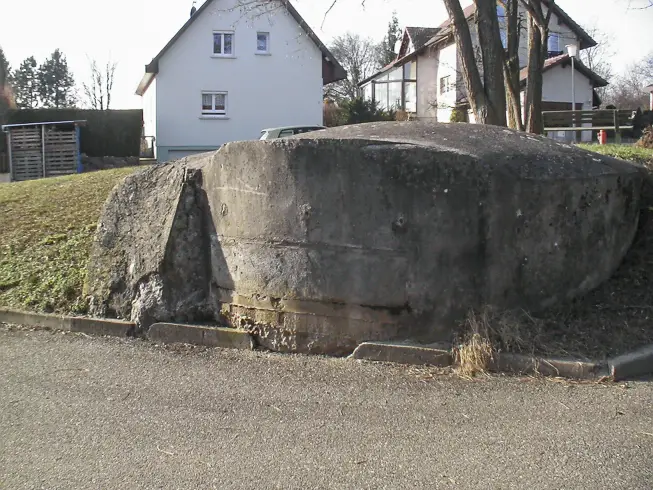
x=222, y=54
x=213, y=112
x=448, y=86
x=267, y=43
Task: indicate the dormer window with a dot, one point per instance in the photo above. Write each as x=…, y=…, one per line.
x=223, y=43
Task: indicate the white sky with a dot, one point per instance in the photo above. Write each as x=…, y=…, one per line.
x=132, y=32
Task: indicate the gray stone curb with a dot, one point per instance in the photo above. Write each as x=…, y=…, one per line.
x=170, y=333
x=438, y=355
x=403, y=353
x=632, y=365
x=565, y=368
x=93, y=326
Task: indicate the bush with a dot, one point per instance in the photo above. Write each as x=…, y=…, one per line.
x=646, y=141
x=458, y=115
x=359, y=110
x=115, y=133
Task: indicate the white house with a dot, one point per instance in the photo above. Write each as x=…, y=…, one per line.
x=234, y=68
x=425, y=79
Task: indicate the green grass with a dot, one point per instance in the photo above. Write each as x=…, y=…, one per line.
x=625, y=152
x=46, y=231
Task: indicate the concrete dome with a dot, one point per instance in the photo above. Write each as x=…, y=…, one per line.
x=368, y=232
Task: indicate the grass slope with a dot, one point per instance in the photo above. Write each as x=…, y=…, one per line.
x=625, y=152
x=46, y=230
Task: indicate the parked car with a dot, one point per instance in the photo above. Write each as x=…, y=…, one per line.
x=274, y=133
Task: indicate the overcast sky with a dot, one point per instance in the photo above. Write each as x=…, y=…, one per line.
x=131, y=32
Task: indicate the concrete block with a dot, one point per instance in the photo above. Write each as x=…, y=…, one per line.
x=632, y=365
x=565, y=368
x=169, y=333
x=92, y=326
x=101, y=326
x=55, y=322
x=403, y=353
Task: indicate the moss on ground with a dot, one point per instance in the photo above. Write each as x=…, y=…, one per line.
x=46, y=231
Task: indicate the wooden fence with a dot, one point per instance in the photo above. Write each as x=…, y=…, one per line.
x=38, y=152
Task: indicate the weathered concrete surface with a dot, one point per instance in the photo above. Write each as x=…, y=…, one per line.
x=633, y=364
x=374, y=232
x=404, y=353
x=171, y=333
x=150, y=259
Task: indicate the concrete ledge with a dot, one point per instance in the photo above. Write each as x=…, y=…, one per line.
x=566, y=368
x=632, y=365
x=93, y=326
x=101, y=326
x=403, y=353
x=170, y=333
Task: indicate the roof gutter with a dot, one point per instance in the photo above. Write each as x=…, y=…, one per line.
x=151, y=70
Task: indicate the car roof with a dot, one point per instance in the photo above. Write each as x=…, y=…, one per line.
x=294, y=127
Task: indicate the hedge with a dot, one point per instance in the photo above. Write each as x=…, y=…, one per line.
x=115, y=133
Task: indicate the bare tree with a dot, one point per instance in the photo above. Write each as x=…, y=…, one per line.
x=645, y=67
x=98, y=90
x=538, y=39
x=627, y=91
x=485, y=94
x=597, y=58
x=357, y=55
x=513, y=25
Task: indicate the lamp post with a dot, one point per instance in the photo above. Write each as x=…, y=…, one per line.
x=572, y=50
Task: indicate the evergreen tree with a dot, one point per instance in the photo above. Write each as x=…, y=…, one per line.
x=5, y=73
x=25, y=84
x=386, y=49
x=5, y=70
x=56, y=83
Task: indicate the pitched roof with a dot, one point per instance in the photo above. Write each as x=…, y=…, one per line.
x=421, y=35
x=332, y=72
x=564, y=60
x=445, y=30
x=586, y=40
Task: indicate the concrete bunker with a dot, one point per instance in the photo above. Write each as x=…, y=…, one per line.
x=379, y=231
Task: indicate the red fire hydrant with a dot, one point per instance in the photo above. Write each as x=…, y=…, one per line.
x=603, y=137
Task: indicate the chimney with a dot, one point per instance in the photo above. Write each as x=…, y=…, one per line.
x=193, y=9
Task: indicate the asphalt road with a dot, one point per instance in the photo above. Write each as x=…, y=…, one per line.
x=80, y=412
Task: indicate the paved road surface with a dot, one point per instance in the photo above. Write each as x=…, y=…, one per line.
x=78, y=412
